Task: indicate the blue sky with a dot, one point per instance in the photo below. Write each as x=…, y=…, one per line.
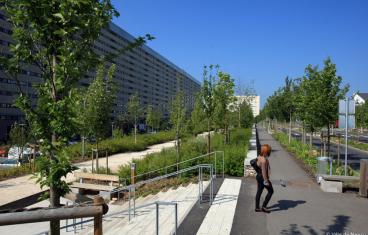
x=260, y=41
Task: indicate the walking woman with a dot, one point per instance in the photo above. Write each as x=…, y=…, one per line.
x=263, y=178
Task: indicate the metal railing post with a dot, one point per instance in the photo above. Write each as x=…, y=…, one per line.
x=211, y=185
x=176, y=218
x=199, y=186
x=66, y=221
x=129, y=204
x=157, y=218
x=215, y=163
x=74, y=221
x=223, y=164
x=133, y=201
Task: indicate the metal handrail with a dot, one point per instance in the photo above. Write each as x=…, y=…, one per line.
x=157, y=203
x=188, y=160
x=160, y=177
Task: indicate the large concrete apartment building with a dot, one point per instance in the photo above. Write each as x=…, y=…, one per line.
x=141, y=70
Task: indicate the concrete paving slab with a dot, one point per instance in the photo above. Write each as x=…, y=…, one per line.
x=220, y=216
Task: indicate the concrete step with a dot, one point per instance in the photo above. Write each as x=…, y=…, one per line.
x=142, y=220
x=219, y=217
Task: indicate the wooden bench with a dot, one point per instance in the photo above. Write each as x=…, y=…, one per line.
x=96, y=182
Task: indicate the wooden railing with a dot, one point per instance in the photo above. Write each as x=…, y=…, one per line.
x=47, y=214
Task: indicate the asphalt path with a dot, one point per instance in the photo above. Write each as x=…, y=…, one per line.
x=353, y=156
x=300, y=207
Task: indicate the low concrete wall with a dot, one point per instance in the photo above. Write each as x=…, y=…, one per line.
x=331, y=186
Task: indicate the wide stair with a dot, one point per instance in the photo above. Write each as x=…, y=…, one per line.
x=144, y=221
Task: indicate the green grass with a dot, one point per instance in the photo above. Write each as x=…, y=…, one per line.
x=234, y=154
x=300, y=150
x=11, y=172
x=119, y=145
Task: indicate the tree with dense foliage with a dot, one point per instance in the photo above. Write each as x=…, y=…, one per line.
x=134, y=110
x=207, y=98
x=99, y=100
x=248, y=92
x=177, y=119
x=314, y=99
x=361, y=115
x=57, y=37
x=153, y=118
x=224, y=96
x=197, y=117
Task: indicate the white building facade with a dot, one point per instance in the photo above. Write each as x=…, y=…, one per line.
x=253, y=101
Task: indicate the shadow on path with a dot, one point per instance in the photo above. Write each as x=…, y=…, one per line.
x=338, y=227
x=283, y=205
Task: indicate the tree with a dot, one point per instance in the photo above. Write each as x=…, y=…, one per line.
x=207, y=98
x=19, y=137
x=134, y=111
x=99, y=100
x=223, y=96
x=246, y=118
x=177, y=119
x=324, y=92
x=361, y=115
x=153, y=118
x=246, y=91
x=58, y=37
x=197, y=117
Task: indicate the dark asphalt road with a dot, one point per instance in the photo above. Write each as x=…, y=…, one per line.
x=353, y=155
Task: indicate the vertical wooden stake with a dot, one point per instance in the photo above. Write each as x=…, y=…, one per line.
x=363, y=178
x=98, y=201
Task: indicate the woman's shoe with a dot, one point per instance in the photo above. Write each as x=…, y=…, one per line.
x=258, y=210
x=265, y=210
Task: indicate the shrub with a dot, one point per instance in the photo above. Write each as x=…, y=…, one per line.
x=234, y=154
x=300, y=150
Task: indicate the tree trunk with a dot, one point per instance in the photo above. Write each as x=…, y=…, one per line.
x=290, y=129
x=239, y=124
x=54, y=191
x=177, y=151
x=54, y=203
x=135, y=133
x=328, y=140
x=310, y=143
x=208, y=137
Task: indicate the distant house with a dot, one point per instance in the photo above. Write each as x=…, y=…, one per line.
x=360, y=98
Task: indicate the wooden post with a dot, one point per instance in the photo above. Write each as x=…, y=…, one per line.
x=98, y=201
x=363, y=178
x=107, y=162
x=132, y=173
x=338, y=149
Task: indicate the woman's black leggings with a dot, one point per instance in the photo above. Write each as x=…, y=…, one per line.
x=260, y=188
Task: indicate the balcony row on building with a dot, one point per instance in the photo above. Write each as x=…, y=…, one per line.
x=140, y=70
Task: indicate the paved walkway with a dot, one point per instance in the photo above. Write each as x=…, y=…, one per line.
x=300, y=207
x=21, y=187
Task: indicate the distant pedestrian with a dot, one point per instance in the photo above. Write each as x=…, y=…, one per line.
x=263, y=178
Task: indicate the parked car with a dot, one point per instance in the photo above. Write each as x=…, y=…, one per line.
x=4, y=151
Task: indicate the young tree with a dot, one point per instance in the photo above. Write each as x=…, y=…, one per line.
x=19, y=136
x=134, y=111
x=99, y=100
x=207, y=97
x=58, y=37
x=177, y=119
x=246, y=91
x=224, y=96
x=153, y=118
x=197, y=117
x=361, y=116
